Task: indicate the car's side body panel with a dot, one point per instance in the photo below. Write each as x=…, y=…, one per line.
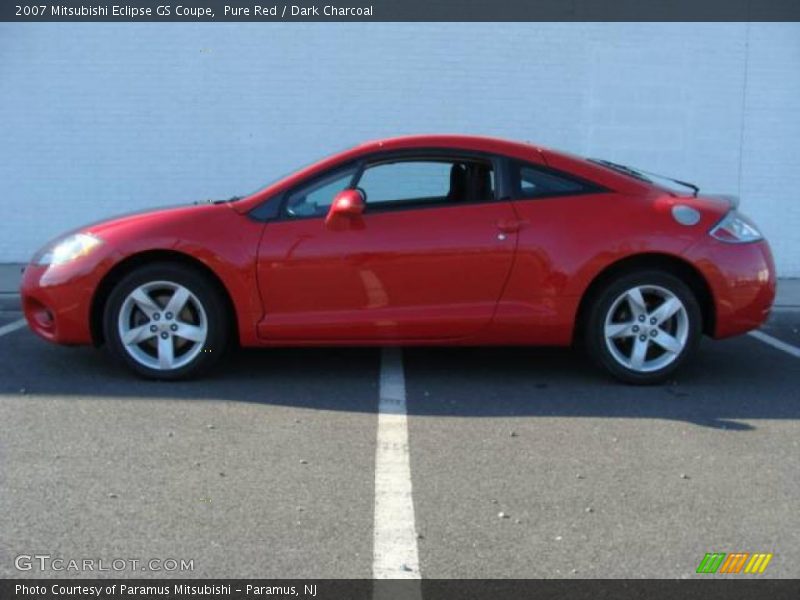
x=428, y=273
x=436, y=275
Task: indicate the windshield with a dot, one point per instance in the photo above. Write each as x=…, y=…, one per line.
x=646, y=176
x=264, y=186
x=275, y=180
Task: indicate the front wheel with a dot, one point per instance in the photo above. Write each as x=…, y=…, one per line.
x=166, y=321
x=643, y=326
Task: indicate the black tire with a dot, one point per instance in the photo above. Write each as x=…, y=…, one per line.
x=216, y=321
x=604, y=301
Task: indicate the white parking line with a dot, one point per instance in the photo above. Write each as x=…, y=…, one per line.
x=785, y=308
x=13, y=326
x=776, y=343
x=394, y=554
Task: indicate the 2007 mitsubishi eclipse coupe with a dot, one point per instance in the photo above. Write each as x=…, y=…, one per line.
x=420, y=240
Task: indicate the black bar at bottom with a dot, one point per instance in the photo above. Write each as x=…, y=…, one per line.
x=730, y=588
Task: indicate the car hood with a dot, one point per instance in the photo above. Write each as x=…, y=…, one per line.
x=146, y=216
x=143, y=221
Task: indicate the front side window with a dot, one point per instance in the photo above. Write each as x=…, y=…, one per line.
x=315, y=198
x=535, y=183
x=398, y=183
x=411, y=182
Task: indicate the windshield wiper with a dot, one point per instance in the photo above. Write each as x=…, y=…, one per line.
x=212, y=201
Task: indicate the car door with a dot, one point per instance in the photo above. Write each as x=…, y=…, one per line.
x=427, y=260
x=561, y=218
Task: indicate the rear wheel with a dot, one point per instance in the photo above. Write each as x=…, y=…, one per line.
x=166, y=321
x=643, y=326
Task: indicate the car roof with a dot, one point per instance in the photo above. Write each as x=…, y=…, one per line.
x=446, y=140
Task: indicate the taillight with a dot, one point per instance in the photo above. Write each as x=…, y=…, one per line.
x=735, y=228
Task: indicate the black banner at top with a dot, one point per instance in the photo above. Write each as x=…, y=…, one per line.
x=398, y=10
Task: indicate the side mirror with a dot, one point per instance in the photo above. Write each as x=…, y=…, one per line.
x=346, y=205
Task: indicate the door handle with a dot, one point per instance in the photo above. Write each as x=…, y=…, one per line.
x=510, y=225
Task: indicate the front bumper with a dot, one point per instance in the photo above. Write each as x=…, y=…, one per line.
x=57, y=300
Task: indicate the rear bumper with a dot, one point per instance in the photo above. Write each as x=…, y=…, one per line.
x=57, y=302
x=742, y=281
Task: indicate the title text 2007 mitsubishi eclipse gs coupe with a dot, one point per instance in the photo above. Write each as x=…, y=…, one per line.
x=422, y=240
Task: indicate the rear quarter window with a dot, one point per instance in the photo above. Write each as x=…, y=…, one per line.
x=536, y=182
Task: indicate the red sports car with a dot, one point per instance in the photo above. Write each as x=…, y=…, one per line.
x=421, y=240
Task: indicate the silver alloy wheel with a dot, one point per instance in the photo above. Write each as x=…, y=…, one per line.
x=162, y=325
x=646, y=328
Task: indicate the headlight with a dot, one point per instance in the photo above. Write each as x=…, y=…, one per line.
x=70, y=248
x=735, y=228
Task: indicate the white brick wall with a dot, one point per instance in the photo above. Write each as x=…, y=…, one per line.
x=101, y=119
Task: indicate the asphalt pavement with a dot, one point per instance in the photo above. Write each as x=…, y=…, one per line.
x=523, y=462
